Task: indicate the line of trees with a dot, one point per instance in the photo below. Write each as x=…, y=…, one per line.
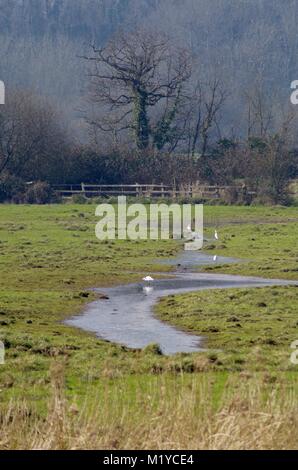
x=243, y=41
x=149, y=118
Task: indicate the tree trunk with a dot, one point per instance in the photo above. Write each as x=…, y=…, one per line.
x=141, y=122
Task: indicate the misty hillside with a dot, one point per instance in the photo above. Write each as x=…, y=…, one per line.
x=243, y=42
x=73, y=18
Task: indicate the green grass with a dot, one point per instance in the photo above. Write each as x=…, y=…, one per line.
x=249, y=328
x=49, y=258
x=268, y=250
x=245, y=329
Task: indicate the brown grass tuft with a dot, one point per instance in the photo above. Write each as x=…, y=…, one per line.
x=250, y=417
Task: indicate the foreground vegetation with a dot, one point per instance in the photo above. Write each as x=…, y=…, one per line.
x=49, y=260
x=184, y=412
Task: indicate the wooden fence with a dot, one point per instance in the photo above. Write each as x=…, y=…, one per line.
x=147, y=190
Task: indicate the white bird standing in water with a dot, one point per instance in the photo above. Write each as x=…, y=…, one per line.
x=148, y=279
x=216, y=235
x=215, y=258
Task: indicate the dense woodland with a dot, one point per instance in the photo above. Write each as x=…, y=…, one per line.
x=117, y=91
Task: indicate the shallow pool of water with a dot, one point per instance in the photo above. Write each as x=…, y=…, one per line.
x=126, y=317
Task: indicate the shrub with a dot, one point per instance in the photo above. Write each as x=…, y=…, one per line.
x=153, y=349
x=79, y=199
x=38, y=193
x=11, y=187
x=231, y=195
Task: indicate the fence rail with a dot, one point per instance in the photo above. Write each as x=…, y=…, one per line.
x=147, y=190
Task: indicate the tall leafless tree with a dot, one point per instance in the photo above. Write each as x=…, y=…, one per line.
x=133, y=74
x=206, y=104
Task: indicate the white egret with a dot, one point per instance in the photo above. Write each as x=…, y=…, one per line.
x=216, y=235
x=215, y=258
x=148, y=279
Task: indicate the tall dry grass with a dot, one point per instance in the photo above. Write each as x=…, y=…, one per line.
x=250, y=417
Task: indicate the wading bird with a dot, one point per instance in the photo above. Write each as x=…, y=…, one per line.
x=148, y=279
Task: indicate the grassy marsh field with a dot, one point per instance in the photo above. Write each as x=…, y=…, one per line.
x=56, y=377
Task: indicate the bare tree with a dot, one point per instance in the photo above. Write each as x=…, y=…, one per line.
x=206, y=103
x=259, y=113
x=30, y=135
x=269, y=161
x=133, y=74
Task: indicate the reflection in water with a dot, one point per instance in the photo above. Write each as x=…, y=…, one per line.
x=148, y=290
x=135, y=326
